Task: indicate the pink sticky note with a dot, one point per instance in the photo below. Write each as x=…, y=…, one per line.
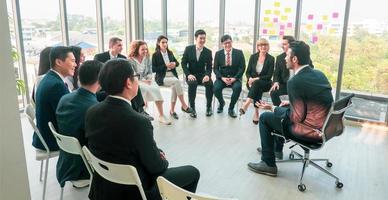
x=282, y=27
x=281, y=32
x=335, y=15
x=315, y=39
x=265, y=31
x=310, y=17
x=275, y=19
x=289, y=25
x=319, y=26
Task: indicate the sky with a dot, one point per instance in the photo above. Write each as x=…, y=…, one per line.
x=360, y=9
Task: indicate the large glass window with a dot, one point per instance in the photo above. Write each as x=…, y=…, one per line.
x=239, y=23
x=40, y=29
x=206, y=17
x=177, y=26
x=114, y=22
x=152, y=22
x=277, y=18
x=81, y=16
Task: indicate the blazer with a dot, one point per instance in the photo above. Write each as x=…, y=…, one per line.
x=70, y=115
x=202, y=66
x=281, y=73
x=237, y=68
x=268, y=67
x=50, y=90
x=147, y=73
x=105, y=56
x=160, y=68
x=310, y=97
x=118, y=134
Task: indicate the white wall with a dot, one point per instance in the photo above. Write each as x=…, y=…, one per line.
x=13, y=170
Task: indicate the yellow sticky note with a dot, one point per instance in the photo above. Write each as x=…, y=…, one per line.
x=325, y=17
x=309, y=27
x=272, y=32
x=284, y=18
x=332, y=30
x=276, y=12
x=268, y=12
x=266, y=19
x=277, y=4
x=287, y=10
x=270, y=25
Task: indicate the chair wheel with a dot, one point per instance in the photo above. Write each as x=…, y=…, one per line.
x=339, y=184
x=291, y=156
x=329, y=164
x=302, y=187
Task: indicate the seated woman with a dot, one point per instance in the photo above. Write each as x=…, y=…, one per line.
x=164, y=64
x=259, y=74
x=139, y=58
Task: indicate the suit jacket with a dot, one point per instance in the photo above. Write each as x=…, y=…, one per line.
x=48, y=94
x=118, y=134
x=281, y=73
x=160, y=68
x=202, y=66
x=236, y=70
x=70, y=114
x=105, y=56
x=310, y=97
x=268, y=67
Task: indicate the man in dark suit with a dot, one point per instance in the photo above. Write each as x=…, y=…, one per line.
x=115, y=48
x=49, y=92
x=310, y=100
x=118, y=134
x=70, y=114
x=197, y=66
x=229, y=66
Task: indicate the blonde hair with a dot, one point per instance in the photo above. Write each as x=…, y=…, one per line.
x=262, y=41
x=134, y=48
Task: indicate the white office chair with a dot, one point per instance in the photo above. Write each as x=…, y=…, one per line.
x=116, y=173
x=169, y=191
x=69, y=145
x=41, y=155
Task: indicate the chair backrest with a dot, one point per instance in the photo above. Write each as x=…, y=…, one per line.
x=116, y=173
x=30, y=112
x=69, y=145
x=334, y=125
x=169, y=191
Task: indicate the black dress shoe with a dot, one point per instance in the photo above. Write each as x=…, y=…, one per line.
x=174, y=115
x=148, y=116
x=263, y=168
x=255, y=122
x=209, y=112
x=220, y=108
x=232, y=113
x=193, y=114
x=187, y=110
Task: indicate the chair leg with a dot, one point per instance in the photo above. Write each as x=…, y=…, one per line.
x=324, y=170
x=320, y=159
x=305, y=163
x=45, y=179
x=62, y=193
x=41, y=169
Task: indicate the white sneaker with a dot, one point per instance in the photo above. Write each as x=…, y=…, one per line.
x=81, y=183
x=164, y=120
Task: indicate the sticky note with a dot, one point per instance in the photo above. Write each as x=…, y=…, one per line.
x=309, y=27
x=284, y=18
x=332, y=30
x=315, y=39
x=287, y=10
x=272, y=32
x=281, y=32
x=335, y=14
x=282, y=27
x=265, y=31
x=270, y=25
x=276, y=12
x=275, y=20
x=276, y=4
x=319, y=26
x=289, y=25
x=310, y=17
x=325, y=17
x=268, y=12
x=266, y=19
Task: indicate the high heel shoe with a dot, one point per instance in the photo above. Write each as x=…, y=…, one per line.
x=255, y=122
x=241, y=111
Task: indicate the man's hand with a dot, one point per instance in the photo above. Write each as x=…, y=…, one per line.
x=264, y=105
x=226, y=80
x=191, y=78
x=232, y=80
x=251, y=80
x=284, y=103
x=275, y=86
x=205, y=79
x=162, y=155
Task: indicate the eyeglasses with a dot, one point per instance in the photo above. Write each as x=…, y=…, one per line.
x=136, y=75
x=262, y=45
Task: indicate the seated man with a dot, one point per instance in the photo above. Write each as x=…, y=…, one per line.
x=310, y=100
x=229, y=66
x=118, y=134
x=71, y=122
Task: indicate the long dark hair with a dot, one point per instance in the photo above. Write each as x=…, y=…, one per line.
x=160, y=38
x=44, y=61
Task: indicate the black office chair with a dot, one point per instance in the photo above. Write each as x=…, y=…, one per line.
x=332, y=127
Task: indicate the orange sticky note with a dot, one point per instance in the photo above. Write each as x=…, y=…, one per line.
x=309, y=27
x=325, y=17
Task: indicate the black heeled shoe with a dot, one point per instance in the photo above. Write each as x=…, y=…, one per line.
x=255, y=122
x=241, y=111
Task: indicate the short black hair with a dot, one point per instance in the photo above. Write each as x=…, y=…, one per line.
x=302, y=51
x=59, y=52
x=225, y=37
x=88, y=72
x=199, y=32
x=289, y=38
x=114, y=75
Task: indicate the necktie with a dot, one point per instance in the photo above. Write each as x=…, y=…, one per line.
x=228, y=59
